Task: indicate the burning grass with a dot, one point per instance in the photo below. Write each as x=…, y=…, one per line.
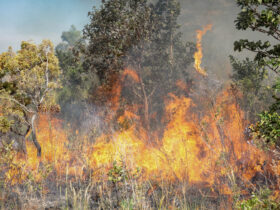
x=200, y=158
x=198, y=162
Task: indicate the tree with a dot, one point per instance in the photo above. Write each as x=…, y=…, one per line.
x=28, y=79
x=113, y=30
x=160, y=60
x=119, y=34
x=143, y=38
x=72, y=36
x=248, y=77
x=77, y=82
x=263, y=16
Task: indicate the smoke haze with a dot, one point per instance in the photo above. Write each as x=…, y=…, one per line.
x=37, y=19
x=218, y=43
x=40, y=19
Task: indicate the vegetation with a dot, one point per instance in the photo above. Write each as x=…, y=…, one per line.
x=260, y=16
x=77, y=84
x=126, y=34
x=129, y=61
x=263, y=17
x=250, y=79
x=262, y=200
x=28, y=80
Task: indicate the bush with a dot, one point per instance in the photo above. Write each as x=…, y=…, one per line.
x=261, y=200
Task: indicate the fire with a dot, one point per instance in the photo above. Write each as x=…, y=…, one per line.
x=187, y=150
x=55, y=155
x=203, y=146
x=198, y=54
x=203, y=149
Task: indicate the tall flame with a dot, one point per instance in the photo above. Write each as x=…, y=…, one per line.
x=198, y=54
x=203, y=147
x=198, y=150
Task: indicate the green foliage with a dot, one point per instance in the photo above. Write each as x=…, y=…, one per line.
x=28, y=77
x=5, y=124
x=126, y=33
x=72, y=36
x=262, y=16
x=77, y=82
x=113, y=30
x=27, y=81
x=268, y=127
x=260, y=200
x=275, y=107
x=250, y=78
x=117, y=173
x=248, y=74
x=143, y=37
x=127, y=204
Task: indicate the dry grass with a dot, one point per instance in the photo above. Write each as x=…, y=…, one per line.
x=127, y=193
x=120, y=189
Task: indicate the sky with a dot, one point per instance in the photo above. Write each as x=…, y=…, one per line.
x=46, y=19
x=40, y=19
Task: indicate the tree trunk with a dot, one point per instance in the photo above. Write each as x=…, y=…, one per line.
x=171, y=53
x=146, y=106
x=34, y=137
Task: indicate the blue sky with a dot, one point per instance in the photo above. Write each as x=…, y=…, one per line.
x=40, y=19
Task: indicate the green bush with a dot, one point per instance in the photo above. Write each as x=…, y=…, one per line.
x=261, y=200
x=268, y=128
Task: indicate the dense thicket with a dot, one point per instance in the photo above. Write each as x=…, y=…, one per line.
x=125, y=34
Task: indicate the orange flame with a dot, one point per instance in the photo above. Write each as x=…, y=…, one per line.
x=198, y=54
x=132, y=74
x=203, y=149
x=186, y=151
x=198, y=150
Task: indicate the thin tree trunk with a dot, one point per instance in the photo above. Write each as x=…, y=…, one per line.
x=145, y=97
x=146, y=106
x=34, y=137
x=171, y=53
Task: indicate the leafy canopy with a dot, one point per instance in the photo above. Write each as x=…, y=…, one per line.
x=262, y=16
x=144, y=37
x=27, y=81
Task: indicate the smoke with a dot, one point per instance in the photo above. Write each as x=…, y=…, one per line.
x=218, y=43
x=37, y=20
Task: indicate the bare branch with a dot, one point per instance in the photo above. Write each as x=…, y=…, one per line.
x=153, y=91
x=135, y=92
x=18, y=103
x=47, y=80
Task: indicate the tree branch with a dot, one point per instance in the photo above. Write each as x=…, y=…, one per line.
x=18, y=103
